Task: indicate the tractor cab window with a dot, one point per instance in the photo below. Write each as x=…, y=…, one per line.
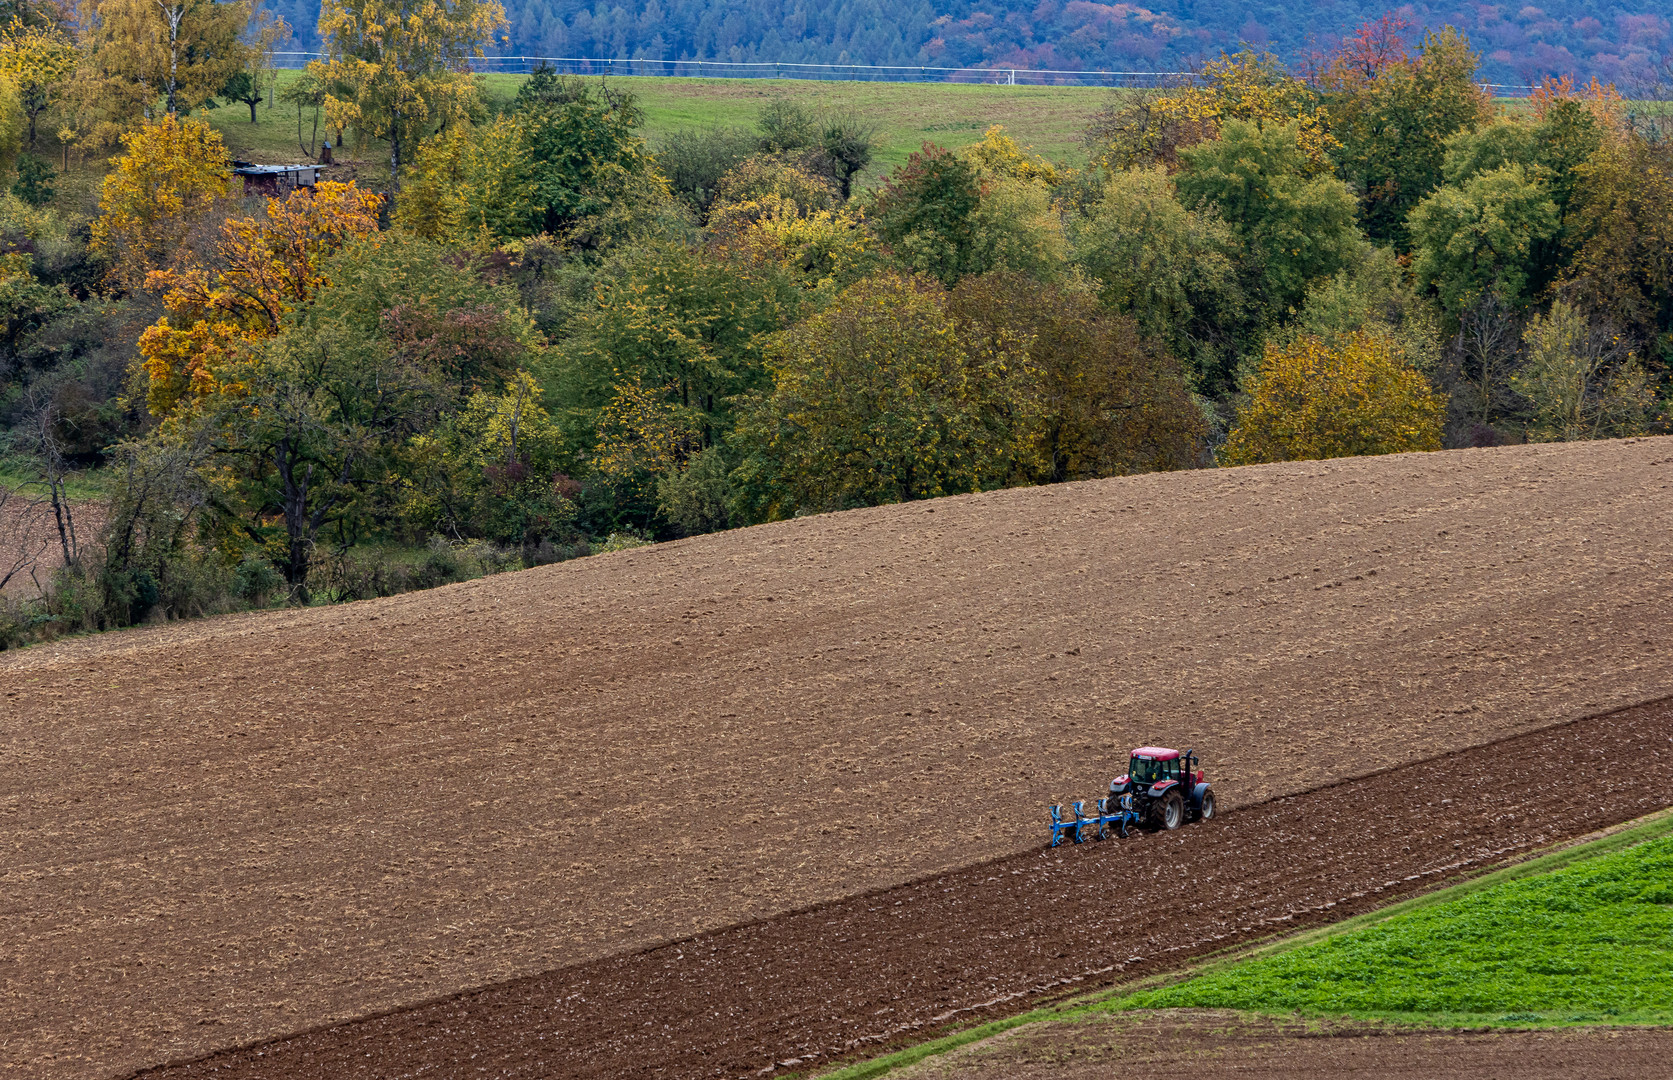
x=1143, y=770
x=1170, y=769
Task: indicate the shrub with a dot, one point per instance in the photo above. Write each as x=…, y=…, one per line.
x=34, y=181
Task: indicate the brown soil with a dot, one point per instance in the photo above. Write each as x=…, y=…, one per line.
x=222, y=831
x=1206, y=1045
x=29, y=541
x=858, y=976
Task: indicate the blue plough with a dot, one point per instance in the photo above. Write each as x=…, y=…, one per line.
x=1084, y=826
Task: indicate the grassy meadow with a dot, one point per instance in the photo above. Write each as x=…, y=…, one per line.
x=1587, y=943
x=1049, y=119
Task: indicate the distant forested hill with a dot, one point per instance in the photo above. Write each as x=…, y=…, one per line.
x=1615, y=40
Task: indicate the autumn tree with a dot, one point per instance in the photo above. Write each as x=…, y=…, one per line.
x=1582, y=378
x=39, y=60
x=494, y=469
x=405, y=64
x=878, y=400
x=772, y=211
x=1392, y=112
x=1621, y=224
x=1105, y=401
x=1152, y=128
x=182, y=51
x=1313, y=400
x=565, y=153
x=322, y=418
x=171, y=173
x=261, y=270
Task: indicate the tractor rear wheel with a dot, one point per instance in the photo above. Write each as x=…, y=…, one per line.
x=1171, y=814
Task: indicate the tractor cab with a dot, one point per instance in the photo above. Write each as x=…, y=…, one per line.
x=1164, y=788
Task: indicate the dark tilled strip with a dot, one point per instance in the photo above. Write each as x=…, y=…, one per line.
x=857, y=976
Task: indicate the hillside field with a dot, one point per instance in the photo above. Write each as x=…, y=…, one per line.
x=1051, y=119
x=227, y=830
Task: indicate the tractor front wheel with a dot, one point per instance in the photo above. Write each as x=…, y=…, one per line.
x=1206, y=811
x=1171, y=814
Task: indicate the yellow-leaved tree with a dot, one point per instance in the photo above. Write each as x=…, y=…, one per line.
x=38, y=60
x=1151, y=128
x=263, y=268
x=139, y=51
x=1316, y=400
x=770, y=209
x=169, y=176
x=405, y=64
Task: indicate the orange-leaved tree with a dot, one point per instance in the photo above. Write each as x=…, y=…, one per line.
x=263, y=269
x=1314, y=399
x=171, y=174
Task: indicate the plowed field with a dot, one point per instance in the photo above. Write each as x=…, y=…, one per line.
x=216, y=832
x=857, y=976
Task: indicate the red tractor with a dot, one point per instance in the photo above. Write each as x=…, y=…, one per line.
x=1162, y=789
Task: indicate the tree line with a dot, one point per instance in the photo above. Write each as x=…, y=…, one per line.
x=546, y=335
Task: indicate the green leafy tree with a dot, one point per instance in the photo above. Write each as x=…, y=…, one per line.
x=1550, y=151
x=564, y=154
x=878, y=400
x=925, y=213
x=1478, y=238
x=244, y=86
x=34, y=180
x=940, y=215
x=494, y=470
x=1167, y=267
x=314, y=426
x=1313, y=400
x=650, y=372
x=698, y=498
x=833, y=144
x=583, y=146
x=323, y=419
x=1392, y=114
x=1292, y=223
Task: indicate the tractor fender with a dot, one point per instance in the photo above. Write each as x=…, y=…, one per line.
x=1198, y=792
x=1162, y=787
x=1119, y=784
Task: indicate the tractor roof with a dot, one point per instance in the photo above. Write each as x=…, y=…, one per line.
x=1158, y=752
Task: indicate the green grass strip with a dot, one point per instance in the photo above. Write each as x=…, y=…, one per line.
x=1130, y=996
x=1588, y=942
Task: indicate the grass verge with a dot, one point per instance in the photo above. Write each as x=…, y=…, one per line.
x=1624, y=864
